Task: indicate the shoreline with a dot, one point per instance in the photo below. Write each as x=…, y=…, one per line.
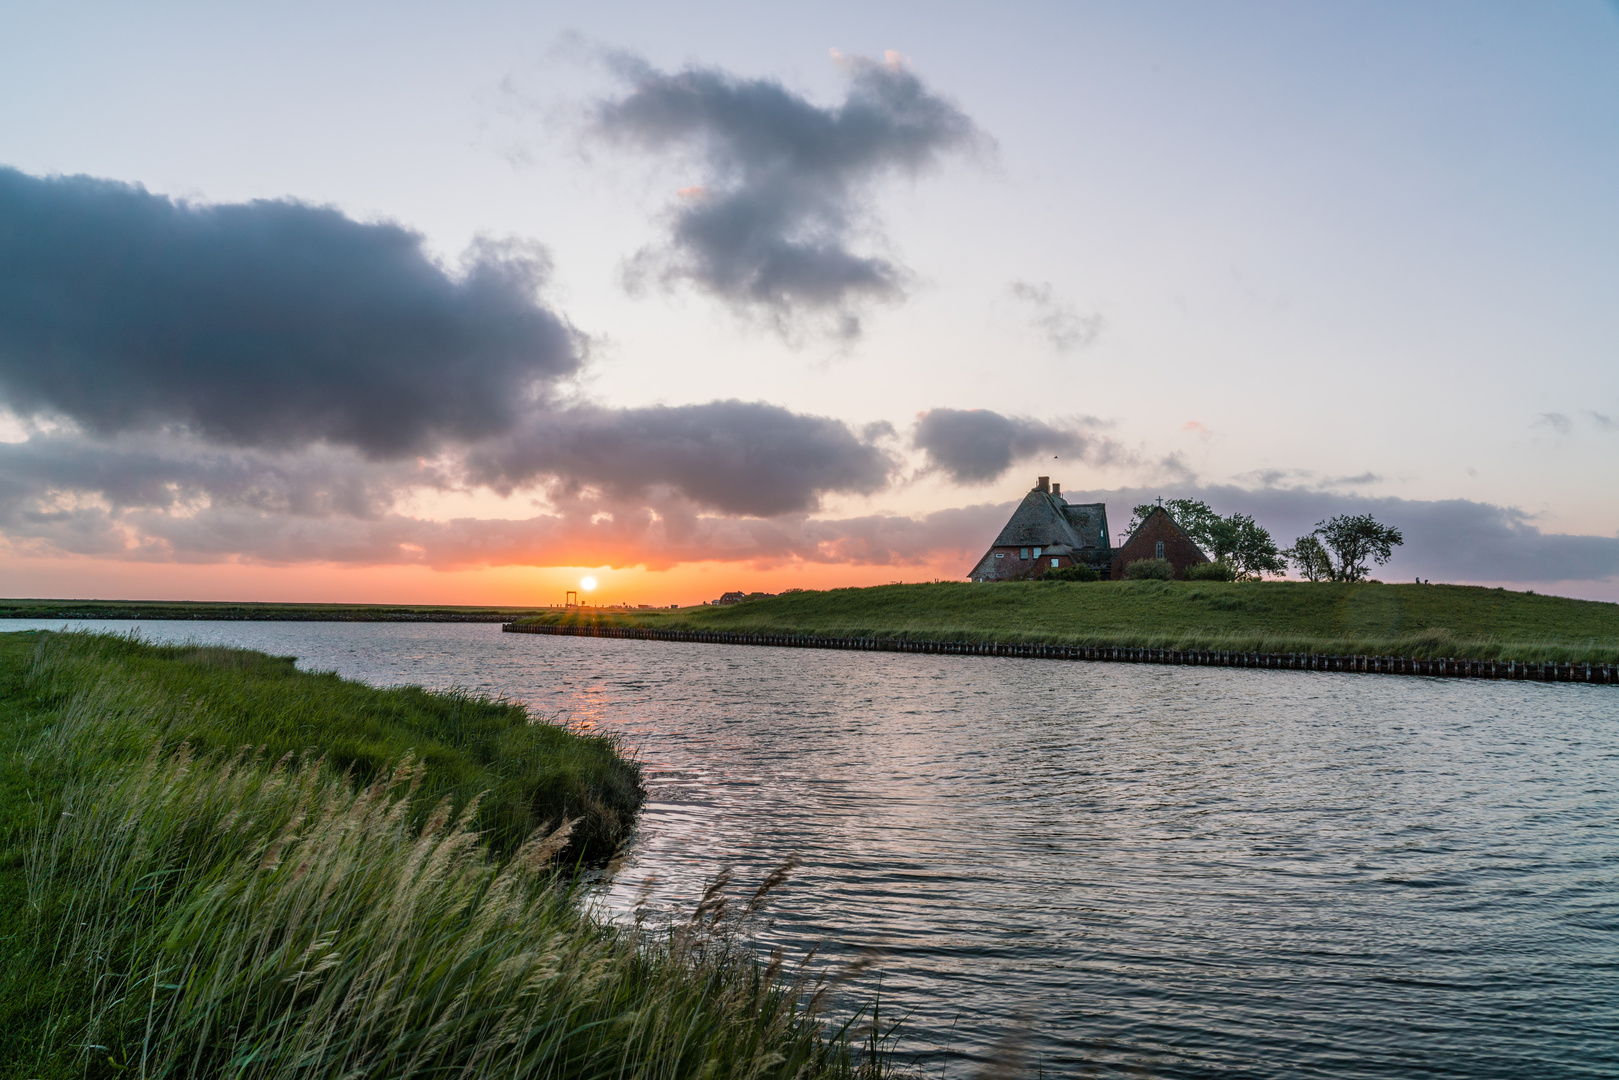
x=1444, y=667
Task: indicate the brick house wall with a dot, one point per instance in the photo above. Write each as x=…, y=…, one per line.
x=1159, y=528
x=1010, y=563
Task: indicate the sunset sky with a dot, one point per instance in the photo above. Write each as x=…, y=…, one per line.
x=459, y=303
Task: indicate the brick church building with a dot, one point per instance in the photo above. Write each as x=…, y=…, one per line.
x=1157, y=537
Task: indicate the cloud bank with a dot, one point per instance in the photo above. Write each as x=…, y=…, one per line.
x=738, y=457
x=234, y=352
x=784, y=185
x=975, y=446
x=1445, y=539
x=270, y=323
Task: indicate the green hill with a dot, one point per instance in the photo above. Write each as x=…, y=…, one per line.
x=1274, y=616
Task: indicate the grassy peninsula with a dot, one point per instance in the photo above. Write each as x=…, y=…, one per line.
x=212, y=864
x=1459, y=621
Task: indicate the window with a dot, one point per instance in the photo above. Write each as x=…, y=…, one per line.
x=1000, y=554
x=1037, y=553
x=1160, y=549
x=1023, y=553
x=1053, y=563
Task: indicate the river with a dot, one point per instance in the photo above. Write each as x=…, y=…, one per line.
x=1113, y=870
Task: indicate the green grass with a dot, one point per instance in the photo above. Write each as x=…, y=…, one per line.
x=1275, y=616
x=528, y=773
x=177, y=903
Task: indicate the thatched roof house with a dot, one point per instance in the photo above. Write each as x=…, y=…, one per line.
x=1047, y=532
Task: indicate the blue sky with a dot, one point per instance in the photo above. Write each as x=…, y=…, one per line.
x=1362, y=252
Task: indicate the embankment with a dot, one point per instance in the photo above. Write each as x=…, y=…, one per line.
x=1370, y=665
x=1277, y=619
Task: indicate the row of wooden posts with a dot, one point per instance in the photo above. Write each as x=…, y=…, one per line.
x=1382, y=665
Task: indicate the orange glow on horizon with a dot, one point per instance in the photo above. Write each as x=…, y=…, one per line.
x=82, y=578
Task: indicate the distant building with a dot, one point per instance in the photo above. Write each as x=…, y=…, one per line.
x=737, y=597
x=1047, y=532
x=1158, y=537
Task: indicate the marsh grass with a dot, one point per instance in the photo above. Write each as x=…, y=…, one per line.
x=1246, y=616
x=528, y=772
x=245, y=913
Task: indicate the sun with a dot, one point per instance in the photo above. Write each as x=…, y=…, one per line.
x=587, y=583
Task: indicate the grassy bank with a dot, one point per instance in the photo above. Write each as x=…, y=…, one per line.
x=203, y=609
x=213, y=865
x=1397, y=620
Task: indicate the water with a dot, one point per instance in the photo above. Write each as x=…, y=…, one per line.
x=1128, y=871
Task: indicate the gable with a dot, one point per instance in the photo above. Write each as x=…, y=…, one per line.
x=1158, y=528
x=1089, y=522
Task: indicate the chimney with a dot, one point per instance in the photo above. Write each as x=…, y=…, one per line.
x=1043, y=483
x=1056, y=489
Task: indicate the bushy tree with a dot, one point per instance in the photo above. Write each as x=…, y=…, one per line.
x=1340, y=548
x=1238, y=541
x=1355, y=538
x=1150, y=570
x=1210, y=571
x=1310, y=559
x=1246, y=546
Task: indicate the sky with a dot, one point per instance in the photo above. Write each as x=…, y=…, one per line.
x=433, y=303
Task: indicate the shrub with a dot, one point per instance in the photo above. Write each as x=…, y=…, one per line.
x=1210, y=571
x=1150, y=570
x=1077, y=572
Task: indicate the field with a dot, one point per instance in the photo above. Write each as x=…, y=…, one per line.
x=1458, y=621
x=213, y=864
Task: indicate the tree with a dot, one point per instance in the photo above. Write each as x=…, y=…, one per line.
x=1246, y=546
x=1353, y=539
x=1238, y=541
x=1311, y=559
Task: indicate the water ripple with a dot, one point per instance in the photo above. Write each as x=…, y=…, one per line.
x=1178, y=872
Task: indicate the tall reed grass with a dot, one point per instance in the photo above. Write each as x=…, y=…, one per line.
x=231, y=914
x=528, y=771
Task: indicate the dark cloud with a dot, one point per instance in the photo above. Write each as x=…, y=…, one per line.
x=263, y=353
x=976, y=445
x=783, y=185
x=738, y=457
x=270, y=323
x=1061, y=322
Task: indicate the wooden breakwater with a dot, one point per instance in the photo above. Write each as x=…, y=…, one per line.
x=1374, y=665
